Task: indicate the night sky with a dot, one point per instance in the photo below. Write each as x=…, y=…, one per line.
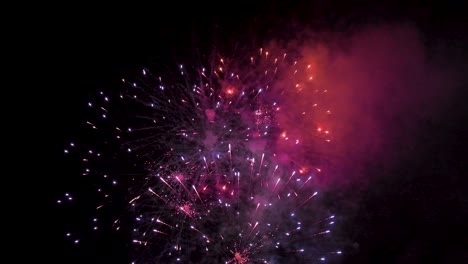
x=403, y=200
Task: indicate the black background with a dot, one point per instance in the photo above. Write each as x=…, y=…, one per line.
x=90, y=47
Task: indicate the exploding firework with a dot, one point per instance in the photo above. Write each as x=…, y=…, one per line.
x=223, y=157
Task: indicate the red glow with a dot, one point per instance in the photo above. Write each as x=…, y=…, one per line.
x=230, y=90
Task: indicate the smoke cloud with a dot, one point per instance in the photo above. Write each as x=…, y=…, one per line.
x=379, y=87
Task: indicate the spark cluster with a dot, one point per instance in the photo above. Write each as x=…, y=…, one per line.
x=223, y=161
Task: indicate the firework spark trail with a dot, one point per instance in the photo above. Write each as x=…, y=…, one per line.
x=218, y=130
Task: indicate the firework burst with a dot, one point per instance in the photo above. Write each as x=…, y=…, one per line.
x=223, y=169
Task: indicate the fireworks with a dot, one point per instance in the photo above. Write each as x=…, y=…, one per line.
x=223, y=160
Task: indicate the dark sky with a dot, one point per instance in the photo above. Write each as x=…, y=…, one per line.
x=410, y=211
